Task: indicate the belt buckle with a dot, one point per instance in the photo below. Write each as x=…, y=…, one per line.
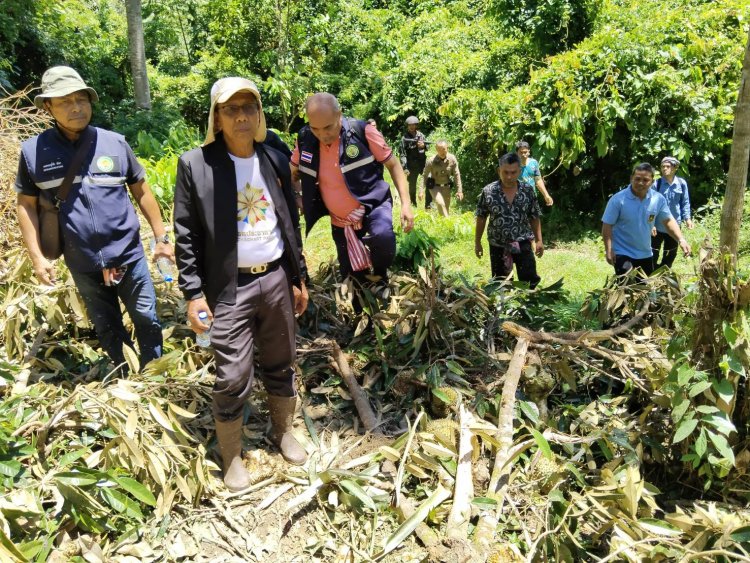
x=259, y=269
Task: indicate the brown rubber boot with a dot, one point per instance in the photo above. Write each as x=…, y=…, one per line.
x=229, y=435
x=282, y=415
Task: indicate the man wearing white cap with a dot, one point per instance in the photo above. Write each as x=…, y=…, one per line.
x=239, y=253
x=675, y=191
x=85, y=172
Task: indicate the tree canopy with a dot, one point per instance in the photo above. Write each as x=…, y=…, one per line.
x=594, y=85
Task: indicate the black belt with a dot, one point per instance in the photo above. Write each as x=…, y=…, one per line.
x=260, y=269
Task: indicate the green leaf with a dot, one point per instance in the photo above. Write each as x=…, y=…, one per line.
x=730, y=333
x=701, y=444
x=455, y=367
x=10, y=468
x=741, y=535
x=484, y=502
x=355, y=490
x=707, y=409
x=659, y=527
x=684, y=374
x=138, y=490
x=684, y=430
x=75, y=478
x=724, y=389
x=72, y=456
x=722, y=446
x=122, y=503
x=441, y=395
x=680, y=407
x=543, y=444
x=530, y=410
x=410, y=524
x=720, y=422
x=699, y=388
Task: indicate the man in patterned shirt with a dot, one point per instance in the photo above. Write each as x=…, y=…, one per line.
x=515, y=229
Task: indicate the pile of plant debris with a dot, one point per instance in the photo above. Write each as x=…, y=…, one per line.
x=450, y=421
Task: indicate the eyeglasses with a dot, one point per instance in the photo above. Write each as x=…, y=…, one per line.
x=234, y=111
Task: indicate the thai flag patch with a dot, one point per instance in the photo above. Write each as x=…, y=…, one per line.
x=306, y=157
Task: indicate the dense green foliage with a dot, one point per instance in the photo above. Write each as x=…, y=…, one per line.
x=594, y=85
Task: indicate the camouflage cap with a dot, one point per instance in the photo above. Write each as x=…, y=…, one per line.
x=60, y=81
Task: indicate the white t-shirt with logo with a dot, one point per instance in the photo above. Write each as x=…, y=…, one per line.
x=258, y=234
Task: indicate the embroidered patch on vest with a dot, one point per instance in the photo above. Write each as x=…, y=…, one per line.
x=352, y=151
x=305, y=156
x=105, y=163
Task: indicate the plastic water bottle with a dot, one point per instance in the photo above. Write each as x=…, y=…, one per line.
x=204, y=338
x=164, y=265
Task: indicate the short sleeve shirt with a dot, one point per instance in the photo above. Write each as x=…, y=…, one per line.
x=530, y=172
x=336, y=195
x=258, y=234
x=508, y=222
x=632, y=219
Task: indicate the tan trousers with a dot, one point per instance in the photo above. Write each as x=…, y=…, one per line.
x=441, y=197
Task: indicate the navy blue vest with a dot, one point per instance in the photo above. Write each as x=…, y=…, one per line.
x=99, y=224
x=363, y=174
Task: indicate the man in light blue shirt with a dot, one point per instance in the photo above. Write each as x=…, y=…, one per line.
x=627, y=222
x=675, y=191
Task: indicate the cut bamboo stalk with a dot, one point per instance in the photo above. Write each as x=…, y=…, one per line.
x=463, y=492
x=361, y=400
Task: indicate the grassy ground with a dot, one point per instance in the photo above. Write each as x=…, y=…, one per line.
x=580, y=264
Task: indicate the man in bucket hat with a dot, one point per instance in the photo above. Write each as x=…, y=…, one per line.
x=100, y=229
x=239, y=253
x=675, y=191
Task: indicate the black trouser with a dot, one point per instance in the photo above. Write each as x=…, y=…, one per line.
x=623, y=264
x=413, y=179
x=670, y=249
x=524, y=261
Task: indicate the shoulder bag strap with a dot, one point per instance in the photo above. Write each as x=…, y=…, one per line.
x=87, y=139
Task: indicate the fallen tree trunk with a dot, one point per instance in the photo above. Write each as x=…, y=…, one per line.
x=361, y=400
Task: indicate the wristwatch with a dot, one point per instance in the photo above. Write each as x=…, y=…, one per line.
x=164, y=238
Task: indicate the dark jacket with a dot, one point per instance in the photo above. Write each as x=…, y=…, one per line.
x=413, y=158
x=275, y=142
x=363, y=174
x=205, y=220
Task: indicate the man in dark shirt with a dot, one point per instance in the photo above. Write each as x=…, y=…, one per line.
x=413, y=158
x=515, y=229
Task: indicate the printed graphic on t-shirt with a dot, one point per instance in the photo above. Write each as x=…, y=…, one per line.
x=252, y=205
